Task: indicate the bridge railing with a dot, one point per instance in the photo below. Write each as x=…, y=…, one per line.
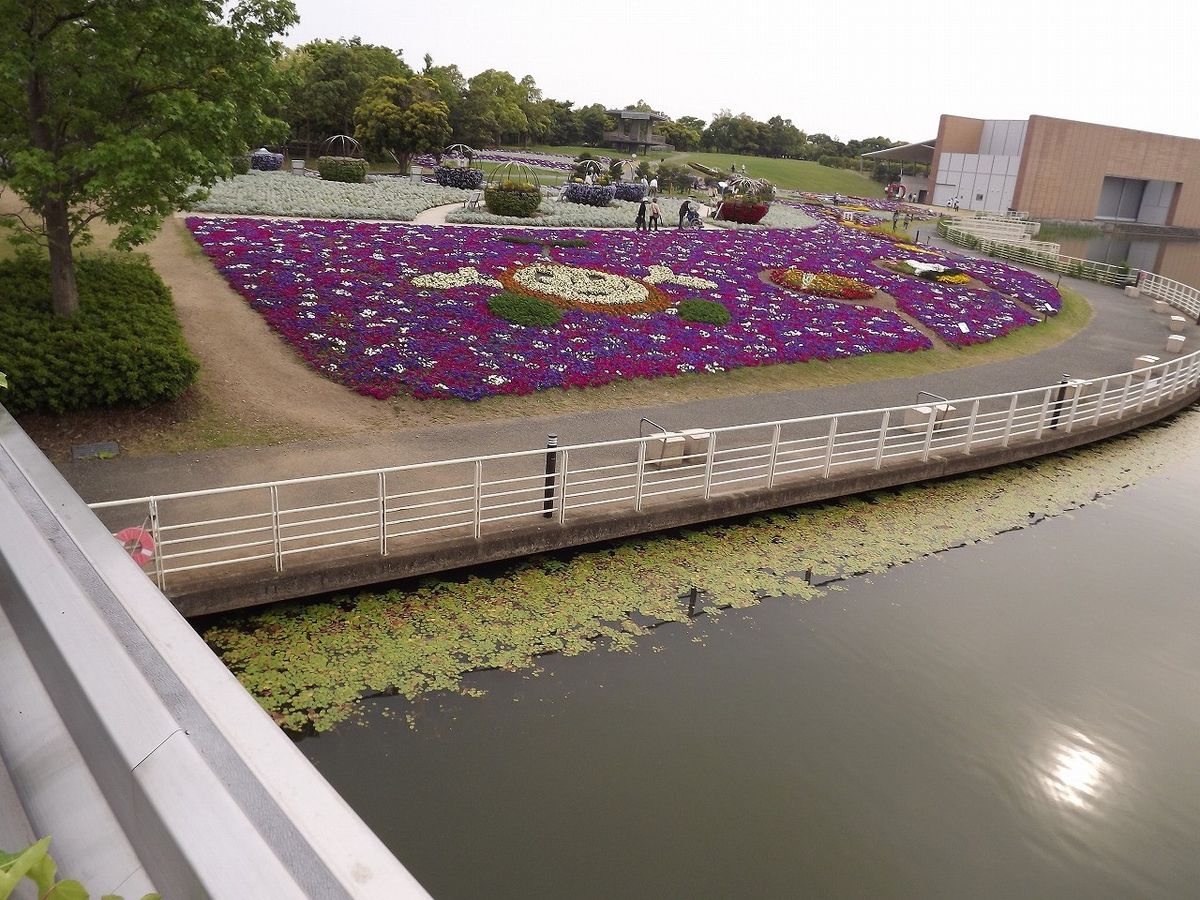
x=277, y=524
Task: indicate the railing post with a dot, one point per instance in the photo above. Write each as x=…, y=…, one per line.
x=562, y=491
x=1008, y=422
x=1074, y=408
x=478, y=493
x=883, y=430
x=708, y=463
x=383, y=514
x=774, y=456
x=829, y=447
x=933, y=414
x=971, y=426
x=1125, y=395
x=1041, y=426
x=159, y=575
x=1161, y=388
x=1145, y=389
x=1100, y=401
x=278, y=542
x=641, y=471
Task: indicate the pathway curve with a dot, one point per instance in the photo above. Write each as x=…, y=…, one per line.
x=1120, y=330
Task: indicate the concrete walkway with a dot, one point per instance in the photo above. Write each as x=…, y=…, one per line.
x=1121, y=329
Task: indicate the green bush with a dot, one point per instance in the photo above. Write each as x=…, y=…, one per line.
x=342, y=168
x=123, y=345
x=707, y=312
x=535, y=241
x=522, y=310
x=241, y=164
x=512, y=198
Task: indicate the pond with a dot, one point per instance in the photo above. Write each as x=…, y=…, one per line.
x=1177, y=258
x=1016, y=717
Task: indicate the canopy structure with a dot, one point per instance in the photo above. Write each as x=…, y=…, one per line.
x=918, y=152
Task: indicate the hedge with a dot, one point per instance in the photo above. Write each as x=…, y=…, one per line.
x=465, y=179
x=706, y=312
x=266, y=161
x=510, y=198
x=240, y=163
x=522, y=310
x=589, y=194
x=123, y=345
x=345, y=169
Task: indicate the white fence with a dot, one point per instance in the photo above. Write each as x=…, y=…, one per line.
x=271, y=525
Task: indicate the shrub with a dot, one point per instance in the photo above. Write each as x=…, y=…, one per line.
x=589, y=194
x=241, y=163
x=123, y=345
x=522, y=310
x=464, y=179
x=266, y=161
x=545, y=241
x=707, y=312
x=345, y=169
x=518, y=199
x=632, y=192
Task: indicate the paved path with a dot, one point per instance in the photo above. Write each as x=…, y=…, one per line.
x=1122, y=329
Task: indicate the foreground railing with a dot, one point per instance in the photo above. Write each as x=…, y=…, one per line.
x=273, y=525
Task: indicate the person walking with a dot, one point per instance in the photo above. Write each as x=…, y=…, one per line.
x=640, y=222
x=645, y=187
x=654, y=186
x=895, y=218
x=684, y=208
x=655, y=214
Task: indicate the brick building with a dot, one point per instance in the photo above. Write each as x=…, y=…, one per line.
x=1059, y=169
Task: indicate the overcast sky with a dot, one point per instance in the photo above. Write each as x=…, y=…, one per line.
x=849, y=69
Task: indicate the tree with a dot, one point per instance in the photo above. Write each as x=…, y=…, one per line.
x=783, y=138
x=452, y=86
x=402, y=116
x=691, y=122
x=493, y=108
x=593, y=122
x=116, y=110
x=327, y=80
x=680, y=136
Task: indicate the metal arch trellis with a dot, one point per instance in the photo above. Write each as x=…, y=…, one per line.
x=462, y=151
x=513, y=171
x=346, y=146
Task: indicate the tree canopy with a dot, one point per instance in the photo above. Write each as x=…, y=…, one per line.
x=117, y=110
x=402, y=116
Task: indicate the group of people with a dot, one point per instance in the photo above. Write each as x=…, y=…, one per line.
x=650, y=214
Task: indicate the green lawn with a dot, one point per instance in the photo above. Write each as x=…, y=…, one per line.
x=795, y=174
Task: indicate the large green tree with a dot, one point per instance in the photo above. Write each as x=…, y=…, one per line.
x=327, y=80
x=116, y=110
x=402, y=116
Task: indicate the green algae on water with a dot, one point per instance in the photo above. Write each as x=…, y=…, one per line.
x=309, y=664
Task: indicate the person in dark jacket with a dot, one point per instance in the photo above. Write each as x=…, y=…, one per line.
x=640, y=221
x=683, y=211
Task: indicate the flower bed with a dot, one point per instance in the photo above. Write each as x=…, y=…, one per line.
x=589, y=194
x=576, y=287
x=283, y=194
x=745, y=212
x=822, y=284
x=630, y=191
x=464, y=179
x=387, y=308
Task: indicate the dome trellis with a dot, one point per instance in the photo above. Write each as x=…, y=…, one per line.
x=340, y=145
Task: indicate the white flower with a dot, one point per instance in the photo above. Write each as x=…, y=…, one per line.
x=463, y=277
x=581, y=285
x=663, y=275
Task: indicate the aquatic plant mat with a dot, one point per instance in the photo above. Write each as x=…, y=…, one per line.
x=309, y=663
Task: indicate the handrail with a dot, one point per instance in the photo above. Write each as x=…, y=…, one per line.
x=541, y=452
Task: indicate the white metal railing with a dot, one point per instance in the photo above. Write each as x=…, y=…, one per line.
x=1030, y=254
x=1182, y=296
x=257, y=527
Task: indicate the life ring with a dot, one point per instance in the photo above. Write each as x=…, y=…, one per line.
x=137, y=543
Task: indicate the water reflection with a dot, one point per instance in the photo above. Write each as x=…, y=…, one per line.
x=1077, y=774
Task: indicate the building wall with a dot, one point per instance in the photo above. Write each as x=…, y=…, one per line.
x=976, y=162
x=1065, y=163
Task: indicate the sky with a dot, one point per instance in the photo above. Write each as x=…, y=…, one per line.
x=848, y=69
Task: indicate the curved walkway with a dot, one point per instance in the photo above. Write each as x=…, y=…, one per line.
x=1121, y=329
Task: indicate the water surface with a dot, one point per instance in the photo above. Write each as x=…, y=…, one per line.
x=1012, y=719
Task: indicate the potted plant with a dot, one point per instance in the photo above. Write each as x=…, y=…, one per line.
x=746, y=200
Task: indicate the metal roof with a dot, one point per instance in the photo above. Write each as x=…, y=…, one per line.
x=918, y=151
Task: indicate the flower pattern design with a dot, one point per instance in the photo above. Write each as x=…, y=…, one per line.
x=343, y=294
